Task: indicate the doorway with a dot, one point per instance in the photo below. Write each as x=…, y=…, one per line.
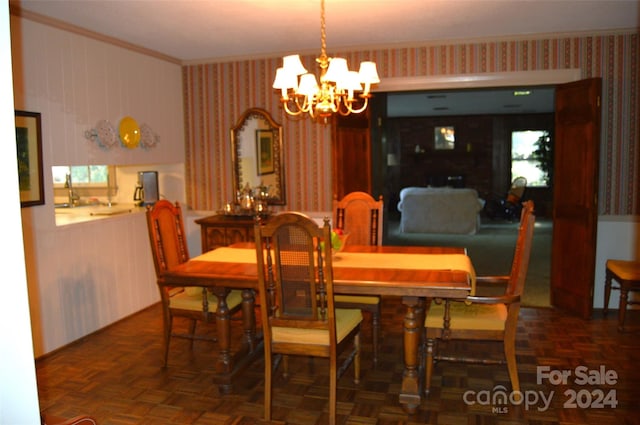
x=389, y=169
x=497, y=80
x=480, y=158
x=583, y=187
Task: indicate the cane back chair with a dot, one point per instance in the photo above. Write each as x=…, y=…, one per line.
x=169, y=249
x=299, y=317
x=361, y=216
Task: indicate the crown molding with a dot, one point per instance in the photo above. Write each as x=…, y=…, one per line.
x=56, y=23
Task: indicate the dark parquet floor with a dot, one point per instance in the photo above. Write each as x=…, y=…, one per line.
x=116, y=376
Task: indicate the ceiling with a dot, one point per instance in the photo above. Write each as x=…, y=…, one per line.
x=197, y=31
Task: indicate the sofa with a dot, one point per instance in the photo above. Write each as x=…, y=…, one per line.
x=439, y=210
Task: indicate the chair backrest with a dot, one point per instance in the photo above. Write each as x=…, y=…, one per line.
x=166, y=235
x=518, y=185
x=361, y=216
x=522, y=252
x=295, y=273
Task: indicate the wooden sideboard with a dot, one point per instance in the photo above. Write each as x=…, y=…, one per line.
x=223, y=230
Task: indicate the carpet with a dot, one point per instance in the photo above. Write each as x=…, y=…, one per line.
x=491, y=251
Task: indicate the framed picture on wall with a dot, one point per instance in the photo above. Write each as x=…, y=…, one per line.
x=264, y=152
x=445, y=138
x=29, y=151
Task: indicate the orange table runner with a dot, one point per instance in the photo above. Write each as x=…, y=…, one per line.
x=459, y=262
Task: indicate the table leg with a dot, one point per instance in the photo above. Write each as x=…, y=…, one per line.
x=223, y=327
x=224, y=363
x=413, y=325
x=229, y=364
x=249, y=319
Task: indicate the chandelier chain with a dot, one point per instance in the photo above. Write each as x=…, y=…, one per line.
x=323, y=59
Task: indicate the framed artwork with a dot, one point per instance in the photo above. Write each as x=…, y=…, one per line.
x=264, y=152
x=445, y=138
x=29, y=150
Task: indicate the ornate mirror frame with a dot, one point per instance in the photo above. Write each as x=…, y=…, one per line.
x=256, y=149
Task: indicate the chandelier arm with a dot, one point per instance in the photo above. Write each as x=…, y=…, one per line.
x=312, y=111
x=289, y=111
x=344, y=113
x=342, y=106
x=306, y=105
x=349, y=106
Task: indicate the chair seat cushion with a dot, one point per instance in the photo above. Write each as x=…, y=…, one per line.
x=627, y=270
x=464, y=316
x=192, y=291
x=191, y=299
x=358, y=299
x=346, y=321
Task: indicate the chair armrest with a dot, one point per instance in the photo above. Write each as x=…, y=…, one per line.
x=493, y=280
x=502, y=299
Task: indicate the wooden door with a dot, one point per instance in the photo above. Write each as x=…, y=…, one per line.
x=575, y=211
x=351, y=149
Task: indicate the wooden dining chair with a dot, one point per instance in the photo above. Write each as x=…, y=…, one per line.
x=169, y=249
x=361, y=216
x=487, y=318
x=623, y=276
x=295, y=283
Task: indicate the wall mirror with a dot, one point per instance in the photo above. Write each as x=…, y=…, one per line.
x=256, y=147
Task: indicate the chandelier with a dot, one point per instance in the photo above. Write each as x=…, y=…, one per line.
x=340, y=90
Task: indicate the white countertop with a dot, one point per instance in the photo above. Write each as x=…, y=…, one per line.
x=83, y=214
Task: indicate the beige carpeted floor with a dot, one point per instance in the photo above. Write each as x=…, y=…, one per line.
x=491, y=251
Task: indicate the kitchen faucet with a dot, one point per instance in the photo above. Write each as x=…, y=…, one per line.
x=69, y=185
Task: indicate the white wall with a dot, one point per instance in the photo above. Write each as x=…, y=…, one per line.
x=618, y=238
x=85, y=276
x=75, y=82
x=18, y=390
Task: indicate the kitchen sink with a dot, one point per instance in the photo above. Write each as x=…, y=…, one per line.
x=109, y=210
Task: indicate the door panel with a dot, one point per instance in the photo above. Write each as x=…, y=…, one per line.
x=575, y=213
x=351, y=152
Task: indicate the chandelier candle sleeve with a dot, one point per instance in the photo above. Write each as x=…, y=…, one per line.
x=340, y=90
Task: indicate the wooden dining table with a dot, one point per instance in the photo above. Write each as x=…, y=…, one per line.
x=410, y=272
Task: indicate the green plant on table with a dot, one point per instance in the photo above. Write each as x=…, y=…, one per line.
x=338, y=238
